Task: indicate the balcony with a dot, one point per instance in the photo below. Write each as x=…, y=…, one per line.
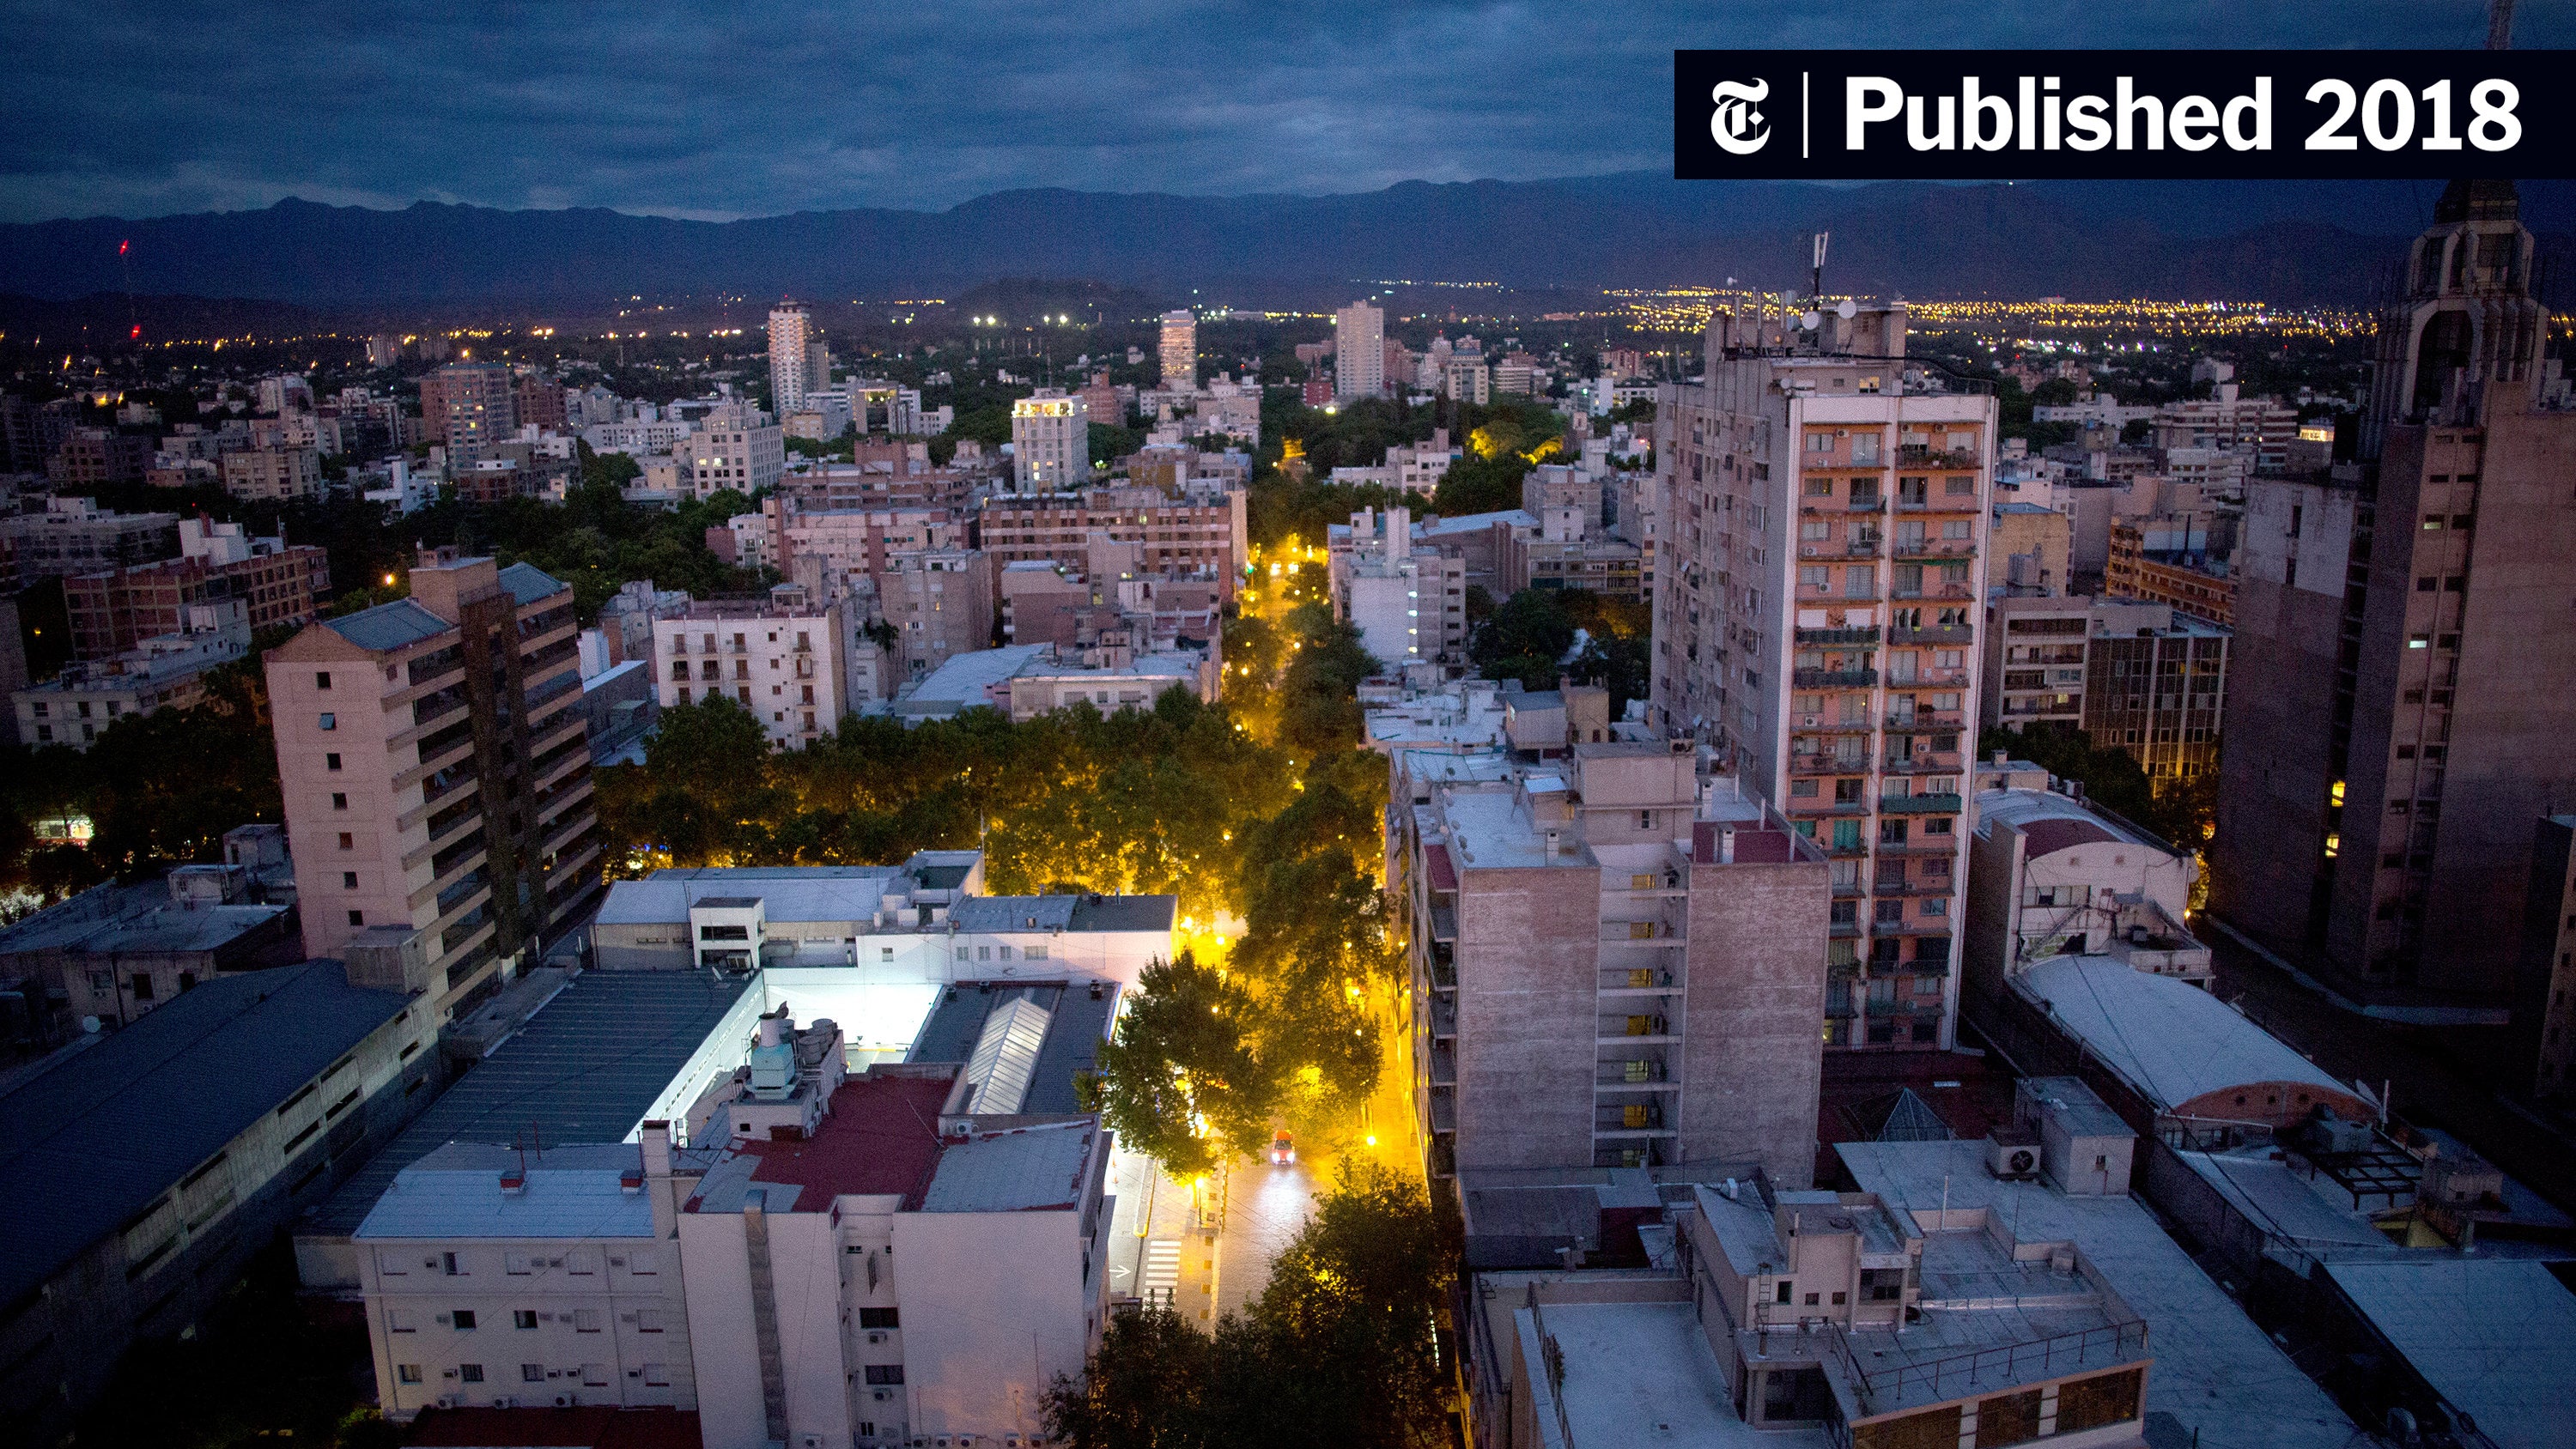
x=1928, y=719
x=1643, y=1026
x=1444, y=1109
x=1934, y=634
x=1444, y=1017
x=1917, y=455
x=1630, y=1119
x=1640, y=980
x=1640, y=933
x=1834, y=678
x=1935, y=547
x=1918, y=805
x=1866, y=503
x=1444, y=1064
x=1925, y=763
x=1864, y=547
x=1639, y=1073
x=1838, y=636
x=1828, y=764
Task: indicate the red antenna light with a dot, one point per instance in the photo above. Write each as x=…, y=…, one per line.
x=136, y=335
x=121, y=246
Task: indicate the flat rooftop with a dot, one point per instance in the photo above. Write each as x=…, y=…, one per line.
x=573, y=1191
x=1076, y=1025
x=1490, y=831
x=1642, y=1376
x=1022, y=1169
x=2213, y=1368
x=2496, y=1338
x=881, y=1140
x=587, y=1067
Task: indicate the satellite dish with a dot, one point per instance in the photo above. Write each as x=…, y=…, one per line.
x=90, y=1024
x=1811, y=320
x=1846, y=308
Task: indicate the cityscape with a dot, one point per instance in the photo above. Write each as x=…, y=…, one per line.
x=1877, y=817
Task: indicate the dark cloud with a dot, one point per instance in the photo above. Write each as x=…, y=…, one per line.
x=719, y=108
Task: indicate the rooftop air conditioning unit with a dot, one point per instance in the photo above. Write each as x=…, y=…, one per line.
x=2013, y=1156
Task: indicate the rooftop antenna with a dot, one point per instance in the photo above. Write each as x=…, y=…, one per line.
x=2499, y=24
x=1816, y=284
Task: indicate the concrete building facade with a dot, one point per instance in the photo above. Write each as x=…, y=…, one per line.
x=1050, y=442
x=2146, y=678
x=1359, y=352
x=1607, y=969
x=1817, y=620
x=1409, y=605
x=1178, y=351
x=436, y=774
x=2394, y=727
x=779, y=657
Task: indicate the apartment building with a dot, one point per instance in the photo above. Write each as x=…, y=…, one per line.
x=1608, y=970
x=92, y=457
x=2145, y=677
x=779, y=657
x=277, y=584
x=465, y=407
x=277, y=475
x=166, y=671
x=1817, y=620
x=857, y=540
x=1409, y=605
x=2187, y=578
x=2544, y=1008
x=2259, y=426
x=1050, y=442
x=1178, y=350
x=939, y=602
x=1202, y=535
x=1359, y=352
x=76, y=536
x=2397, y=720
x=735, y=446
x=526, y=1276
x=436, y=774
x=791, y=329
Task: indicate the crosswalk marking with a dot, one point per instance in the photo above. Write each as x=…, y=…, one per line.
x=1162, y=1268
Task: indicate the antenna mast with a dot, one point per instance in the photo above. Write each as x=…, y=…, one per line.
x=2499, y=24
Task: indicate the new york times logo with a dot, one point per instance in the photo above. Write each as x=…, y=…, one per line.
x=1735, y=126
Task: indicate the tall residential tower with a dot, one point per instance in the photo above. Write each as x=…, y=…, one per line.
x=1180, y=349
x=1816, y=620
x=1359, y=352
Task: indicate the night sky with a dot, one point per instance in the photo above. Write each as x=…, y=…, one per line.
x=719, y=109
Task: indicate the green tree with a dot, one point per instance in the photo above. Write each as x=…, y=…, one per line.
x=1180, y=1080
x=1481, y=485
x=1146, y=1387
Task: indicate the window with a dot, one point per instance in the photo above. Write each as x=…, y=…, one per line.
x=471, y=1373
x=643, y=1260
x=339, y=801
x=348, y=841
x=594, y=1375
x=142, y=987
x=648, y=1320
x=879, y=1318
x=585, y=1320
x=407, y=1372
x=523, y=1318
x=532, y=1373
x=885, y=1373
x=330, y=721
x=357, y=918
x=464, y=1320
x=322, y=679
x=330, y=762
x=1784, y=1293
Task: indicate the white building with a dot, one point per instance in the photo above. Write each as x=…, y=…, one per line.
x=1051, y=441
x=1359, y=352
x=1180, y=350
x=907, y=1257
x=164, y=672
x=736, y=446
x=1025, y=681
x=2050, y=877
x=791, y=328
x=496, y=1277
x=1410, y=605
x=779, y=657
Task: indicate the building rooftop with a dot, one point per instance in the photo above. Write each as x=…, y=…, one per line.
x=1641, y=1375
x=2496, y=1338
x=573, y=1191
x=1024, y=1169
x=2170, y=1040
x=527, y=583
x=1076, y=1025
x=97, y=1137
x=880, y=1140
x=965, y=681
x=587, y=1067
x=388, y=627
x=2213, y=1368
x=2058, y=820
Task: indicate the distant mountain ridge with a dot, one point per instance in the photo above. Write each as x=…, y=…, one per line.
x=2286, y=243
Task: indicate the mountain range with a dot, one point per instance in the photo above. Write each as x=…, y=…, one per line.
x=2287, y=243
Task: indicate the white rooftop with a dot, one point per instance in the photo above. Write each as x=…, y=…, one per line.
x=2169, y=1039
x=1021, y=1170
x=2019, y=808
x=572, y=1191
x=2214, y=1370
x=1642, y=1374
x=2495, y=1337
